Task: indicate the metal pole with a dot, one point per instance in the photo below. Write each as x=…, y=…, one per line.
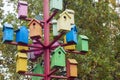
x=46, y=40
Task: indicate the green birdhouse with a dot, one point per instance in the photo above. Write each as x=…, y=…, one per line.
x=54, y=26
x=38, y=70
x=56, y=4
x=58, y=58
x=82, y=44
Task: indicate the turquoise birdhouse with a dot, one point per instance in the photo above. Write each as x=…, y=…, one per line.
x=7, y=32
x=58, y=58
x=22, y=35
x=38, y=70
x=71, y=36
x=54, y=26
x=56, y=4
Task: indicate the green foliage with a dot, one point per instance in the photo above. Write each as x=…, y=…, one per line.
x=98, y=21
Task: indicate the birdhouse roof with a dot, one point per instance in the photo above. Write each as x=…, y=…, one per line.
x=54, y=21
x=83, y=37
x=22, y=27
x=6, y=25
x=60, y=48
x=34, y=20
x=73, y=61
x=37, y=68
x=70, y=11
x=21, y=55
x=23, y=2
x=65, y=13
x=74, y=28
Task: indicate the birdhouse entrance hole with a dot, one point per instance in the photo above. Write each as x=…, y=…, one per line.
x=34, y=25
x=59, y=52
x=65, y=17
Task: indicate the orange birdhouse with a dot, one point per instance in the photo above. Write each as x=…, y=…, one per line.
x=72, y=68
x=35, y=29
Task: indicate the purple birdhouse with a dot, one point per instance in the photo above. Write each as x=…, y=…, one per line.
x=22, y=9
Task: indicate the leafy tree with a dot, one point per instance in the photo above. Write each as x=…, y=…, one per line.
x=99, y=22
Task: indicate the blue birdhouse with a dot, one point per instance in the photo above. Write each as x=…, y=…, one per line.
x=22, y=35
x=71, y=36
x=7, y=32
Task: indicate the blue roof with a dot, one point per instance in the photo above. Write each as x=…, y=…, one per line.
x=74, y=28
x=22, y=27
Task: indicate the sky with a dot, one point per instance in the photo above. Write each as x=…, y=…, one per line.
x=8, y=7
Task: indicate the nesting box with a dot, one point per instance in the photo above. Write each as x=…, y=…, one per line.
x=22, y=48
x=22, y=35
x=82, y=44
x=21, y=63
x=70, y=47
x=7, y=32
x=22, y=9
x=38, y=70
x=54, y=27
x=64, y=22
x=31, y=56
x=58, y=58
x=71, y=36
x=35, y=29
x=56, y=4
x=72, y=68
x=71, y=13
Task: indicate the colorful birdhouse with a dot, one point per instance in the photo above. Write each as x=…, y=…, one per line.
x=21, y=63
x=35, y=29
x=22, y=9
x=54, y=26
x=38, y=70
x=31, y=56
x=71, y=13
x=82, y=44
x=7, y=32
x=70, y=47
x=58, y=58
x=22, y=48
x=56, y=4
x=71, y=36
x=72, y=68
x=22, y=35
x=64, y=22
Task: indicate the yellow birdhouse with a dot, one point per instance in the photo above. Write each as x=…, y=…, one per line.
x=22, y=48
x=64, y=22
x=21, y=62
x=71, y=13
x=72, y=68
x=35, y=28
x=70, y=47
